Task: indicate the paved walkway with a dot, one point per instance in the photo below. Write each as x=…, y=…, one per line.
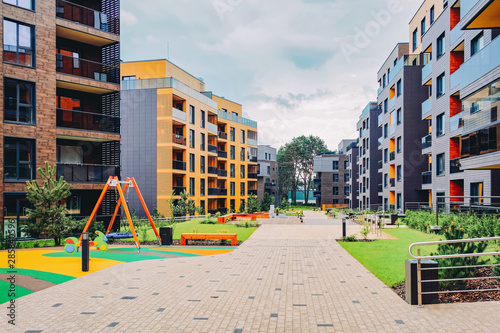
x=285, y=278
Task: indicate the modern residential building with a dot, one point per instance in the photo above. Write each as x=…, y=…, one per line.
x=400, y=98
x=352, y=152
x=331, y=181
x=369, y=158
x=267, y=181
x=176, y=136
x=61, y=104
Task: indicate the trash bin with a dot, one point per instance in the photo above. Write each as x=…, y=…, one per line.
x=166, y=234
x=411, y=291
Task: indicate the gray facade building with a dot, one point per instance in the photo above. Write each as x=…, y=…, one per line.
x=268, y=174
x=352, y=153
x=331, y=181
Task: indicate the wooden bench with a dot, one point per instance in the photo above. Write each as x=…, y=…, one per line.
x=232, y=237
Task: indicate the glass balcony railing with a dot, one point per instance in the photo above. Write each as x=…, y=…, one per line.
x=222, y=173
x=212, y=127
x=252, y=175
x=392, y=156
x=252, y=142
x=427, y=141
x=178, y=139
x=427, y=177
x=87, y=121
x=427, y=106
x=426, y=71
x=380, y=188
x=212, y=149
x=237, y=119
x=456, y=121
x=380, y=164
x=213, y=170
x=380, y=117
x=87, y=69
x=178, y=190
x=380, y=140
x=392, y=129
x=83, y=173
x=397, y=68
x=466, y=6
x=87, y=16
x=222, y=154
x=392, y=182
x=392, y=102
x=222, y=135
x=179, y=165
x=250, y=192
x=455, y=34
x=455, y=165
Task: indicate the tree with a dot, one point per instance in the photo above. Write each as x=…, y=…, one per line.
x=309, y=147
x=266, y=202
x=49, y=213
x=183, y=206
x=253, y=204
x=287, y=166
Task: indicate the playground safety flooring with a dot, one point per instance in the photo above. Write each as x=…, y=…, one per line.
x=285, y=278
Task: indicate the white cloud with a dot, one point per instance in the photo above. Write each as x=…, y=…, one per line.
x=127, y=18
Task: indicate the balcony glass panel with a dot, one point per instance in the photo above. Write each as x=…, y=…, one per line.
x=88, y=69
x=397, y=68
x=392, y=102
x=380, y=117
x=455, y=34
x=179, y=114
x=456, y=121
x=466, y=6
x=212, y=127
x=427, y=141
x=87, y=121
x=427, y=177
x=427, y=106
x=82, y=173
x=87, y=16
x=426, y=71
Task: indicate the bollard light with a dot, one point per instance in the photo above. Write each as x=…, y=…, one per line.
x=344, y=232
x=85, y=252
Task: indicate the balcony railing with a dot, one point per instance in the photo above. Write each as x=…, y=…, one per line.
x=222, y=135
x=380, y=164
x=317, y=181
x=179, y=114
x=212, y=149
x=455, y=165
x=380, y=188
x=252, y=159
x=87, y=16
x=427, y=141
x=392, y=182
x=427, y=177
x=456, y=122
x=426, y=71
x=252, y=175
x=427, y=106
x=212, y=127
x=222, y=191
x=83, y=173
x=213, y=191
x=87, y=68
x=380, y=119
x=222, y=154
x=178, y=165
x=179, y=139
x=178, y=190
x=87, y=121
x=269, y=186
x=213, y=170
x=222, y=173
x=250, y=192
x=392, y=156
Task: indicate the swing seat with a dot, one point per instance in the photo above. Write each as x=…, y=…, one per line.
x=120, y=235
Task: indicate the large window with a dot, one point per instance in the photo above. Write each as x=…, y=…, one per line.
x=232, y=188
x=386, y=130
x=440, y=45
x=242, y=136
x=27, y=4
x=335, y=165
x=202, y=164
x=232, y=152
x=335, y=177
x=202, y=122
x=18, y=43
x=242, y=171
x=476, y=190
x=476, y=44
x=202, y=141
x=386, y=155
x=398, y=173
x=414, y=39
x=440, y=125
x=399, y=201
x=432, y=15
x=398, y=116
x=422, y=27
x=398, y=88
x=386, y=105
x=242, y=154
x=202, y=187
x=346, y=190
x=440, y=86
x=335, y=190
x=19, y=98
x=19, y=159
x=232, y=134
x=398, y=145
x=191, y=114
x=191, y=163
x=191, y=139
x=440, y=165
x=242, y=189
x=191, y=187
x=232, y=171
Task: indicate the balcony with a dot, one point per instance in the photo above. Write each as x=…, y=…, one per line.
x=317, y=181
x=380, y=140
x=392, y=182
x=426, y=107
x=392, y=156
x=317, y=194
x=455, y=34
x=213, y=191
x=178, y=189
x=364, y=171
x=212, y=149
x=396, y=69
x=222, y=135
x=252, y=159
x=179, y=114
x=87, y=69
x=178, y=139
x=221, y=173
x=379, y=90
x=270, y=186
x=223, y=191
x=213, y=170
x=455, y=166
x=87, y=121
x=252, y=175
x=364, y=151
x=380, y=164
x=392, y=102
x=179, y=165
x=427, y=141
x=236, y=119
x=456, y=121
x=380, y=119
x=426, y=177
x=86, y=173
x=222, y=153
x=426, y=71
x=212, y=128
x=380, y=188
x=87, y=16
x=252, y=142
x=250, y=192
x=466, y=7
x=392, y=129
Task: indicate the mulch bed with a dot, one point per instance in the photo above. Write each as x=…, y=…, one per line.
x=472, y=296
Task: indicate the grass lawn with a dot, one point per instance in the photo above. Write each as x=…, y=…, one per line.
x=195, y=226
x=386, y=257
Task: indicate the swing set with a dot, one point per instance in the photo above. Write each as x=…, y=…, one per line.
x=114, y=182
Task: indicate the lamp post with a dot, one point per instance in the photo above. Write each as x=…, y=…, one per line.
x=85, y=252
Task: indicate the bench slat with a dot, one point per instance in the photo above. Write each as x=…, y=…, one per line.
x=232, y=237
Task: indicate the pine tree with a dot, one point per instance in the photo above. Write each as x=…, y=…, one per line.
x=252, y=204
x=49, y=213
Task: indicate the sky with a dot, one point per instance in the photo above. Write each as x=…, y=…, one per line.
x=298, y=67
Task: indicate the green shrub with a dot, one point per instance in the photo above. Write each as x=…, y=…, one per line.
x=208, y=221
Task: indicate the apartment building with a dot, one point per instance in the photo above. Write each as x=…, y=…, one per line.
x=400, y=98
x=176, y=136
x=352, y=152
x=268, y=175
x=369, y=157
x=61, y=103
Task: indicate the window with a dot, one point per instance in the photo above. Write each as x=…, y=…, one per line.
x=202, y=187
x=474, y=107
x=268, y=170
x=232, y=152
x=399, y=201
x=191, y=187
x=242, y=188
x=335, y=177
x=346, y=190
x=422, y=27
x=335, y=201
x=440, y=46
x=386, y=154
x=191, y=139
x=242, y=171
x=242, y=154
x=415, y=34
x=202, y=141
x=19, y=101
x=386, y=178
x=440, y=165
x=432, y=15
x=231, y=134
x=476, y=44
x=346, y=165
x=398, y=116
x=386, y=105
x=202, y=121
x=19, y=159
x=440, y=86
x=398, y=145
x=367, y=143
x=367, y=183
x=367, y=163
x=386, y=130
x=335, y=165
x=18, y=43
x=191, y=114
x=398, y=173
x=440, y=125
x=335, y=190
x=232, y=171
x=346, y=177
x=202, y=164
x=26, y=4
x=242, y=136
x=398, y=88
x=476, y=190
x=232, y=188
x=367, y=123
x=383, y=81
x=191, y=162
x=232, y=205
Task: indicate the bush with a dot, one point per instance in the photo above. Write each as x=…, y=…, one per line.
x=208, y=221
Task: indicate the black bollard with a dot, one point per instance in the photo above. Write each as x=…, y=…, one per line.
x=85, y=252
x=344, y=233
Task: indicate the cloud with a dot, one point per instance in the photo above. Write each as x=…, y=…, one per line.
x=127, y=18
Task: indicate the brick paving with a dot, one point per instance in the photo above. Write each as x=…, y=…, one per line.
x=286, y=278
